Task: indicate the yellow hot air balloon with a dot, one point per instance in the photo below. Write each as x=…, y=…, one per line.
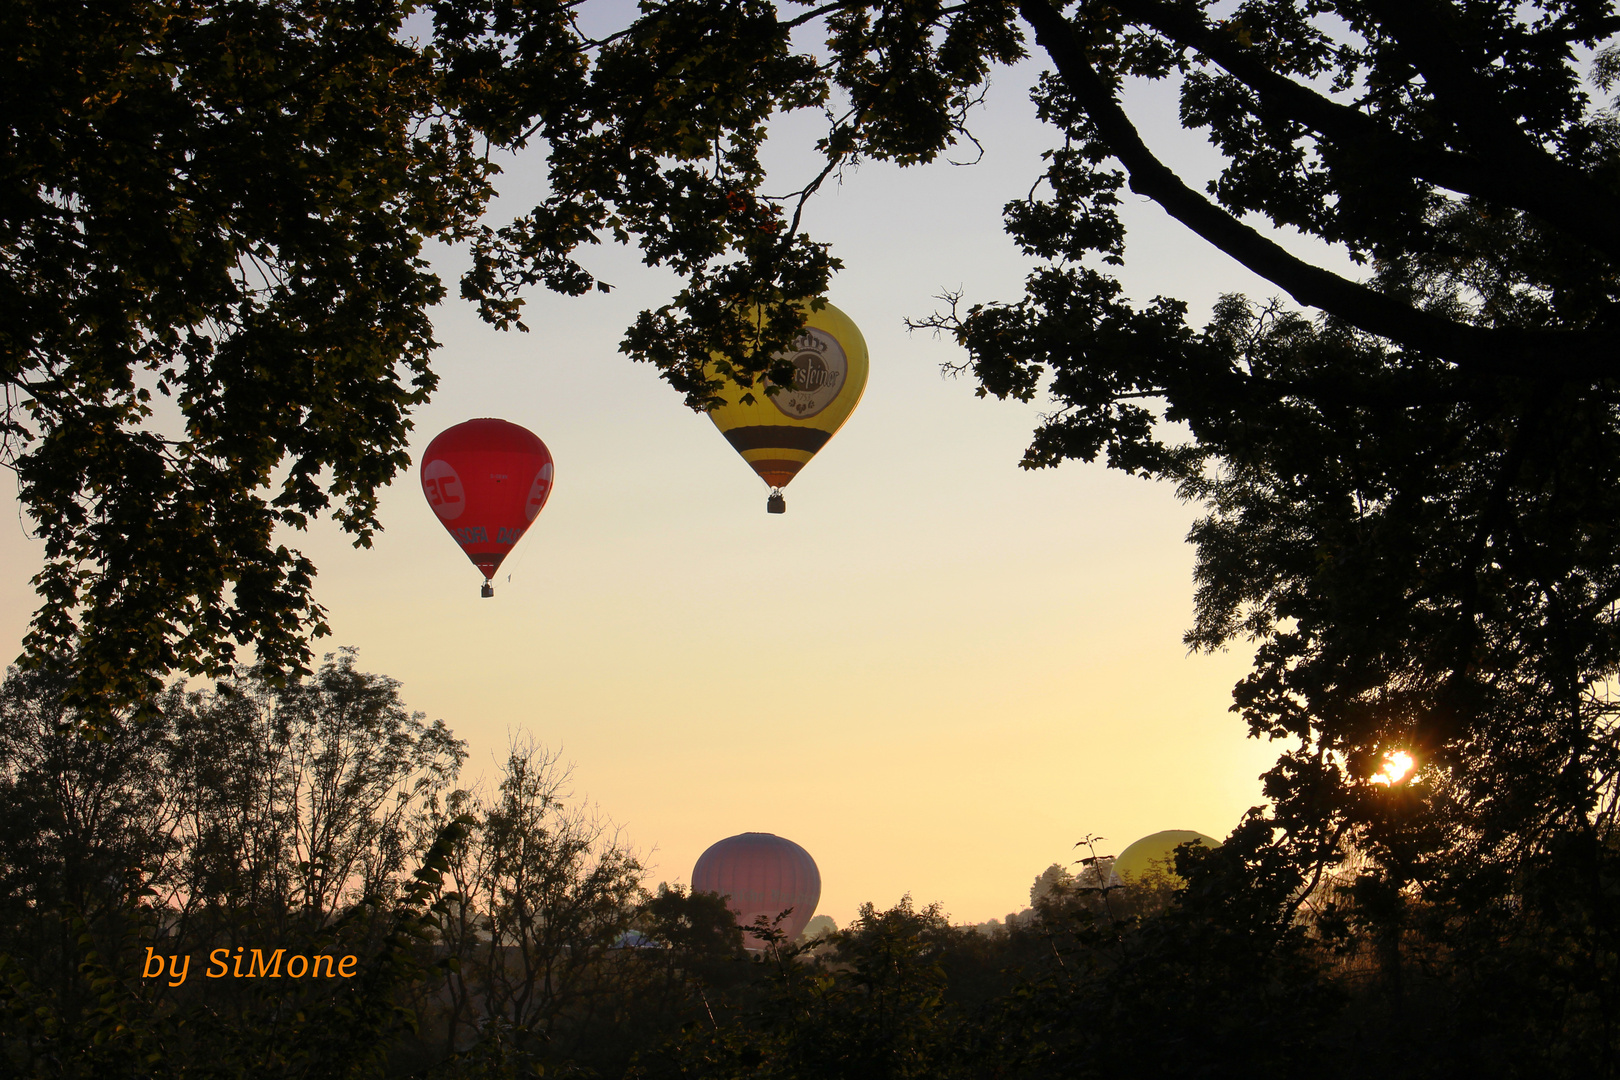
x=1155, y=854
x=778, y=434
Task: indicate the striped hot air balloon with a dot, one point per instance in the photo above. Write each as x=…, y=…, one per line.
x=778, y=434
x=763, y=874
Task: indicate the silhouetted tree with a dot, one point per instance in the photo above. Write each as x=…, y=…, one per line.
x=301, y=796
x=211, y=253
x=244, y=815
x=543, y=890
x=88, y=824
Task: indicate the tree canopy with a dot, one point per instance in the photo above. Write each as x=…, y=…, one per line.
x=213, y=309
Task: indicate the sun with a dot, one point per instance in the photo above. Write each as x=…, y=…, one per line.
x=1397, y=766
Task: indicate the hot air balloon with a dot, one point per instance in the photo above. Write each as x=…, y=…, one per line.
x=1156, y=854
x=777, y=434
x=487, y=480
x=763, y=874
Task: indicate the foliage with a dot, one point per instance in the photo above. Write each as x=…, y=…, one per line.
x=214, y=310
x=865, y=1002
x=694, y=925
x=1409, y=499
x=541, y=894
x=1223, y=982
x=248, y=816
x=1409, y=496
x=232, y=817
x=507, y=952
x=82, y=819
x=343, y=1031
x=304, y=792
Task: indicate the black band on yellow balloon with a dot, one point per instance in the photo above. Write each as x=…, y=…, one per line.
x=777, y=437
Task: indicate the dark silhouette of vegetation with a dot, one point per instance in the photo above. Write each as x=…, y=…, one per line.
x=500, y=934
x=211, y=253
x=161, y=876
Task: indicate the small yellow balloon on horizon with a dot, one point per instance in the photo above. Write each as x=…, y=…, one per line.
x=1155, y=854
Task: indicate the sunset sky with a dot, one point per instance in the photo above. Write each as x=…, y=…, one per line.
x=936, y=671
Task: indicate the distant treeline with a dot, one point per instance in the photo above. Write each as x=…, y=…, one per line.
x=510, y=932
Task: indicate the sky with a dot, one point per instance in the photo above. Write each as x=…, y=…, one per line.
x=936, y=672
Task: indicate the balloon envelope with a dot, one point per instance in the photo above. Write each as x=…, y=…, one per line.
x=1156, y=854
x=763, y=874
x=487, y=480
x=778, y=434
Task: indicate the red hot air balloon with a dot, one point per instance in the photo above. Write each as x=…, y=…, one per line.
x=764, y=875
x=487, y=480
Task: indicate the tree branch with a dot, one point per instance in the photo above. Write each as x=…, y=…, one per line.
x=825, y=9
x=1580, y=354
x=1473, y=105
x=1593, y=217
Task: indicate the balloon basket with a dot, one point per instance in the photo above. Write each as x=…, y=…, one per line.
x=487, y=591
x=776, y=503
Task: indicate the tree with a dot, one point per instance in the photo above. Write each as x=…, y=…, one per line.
x=277, y=817
x=867, y=1002
x=1410, y=495
x=542, y=891
x=235, y=813
x=85, y=829
x=303, y=799
x=696, y=925
x=213, y=310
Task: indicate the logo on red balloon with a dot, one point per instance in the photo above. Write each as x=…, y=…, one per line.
x=539, y=491
x=443, y=489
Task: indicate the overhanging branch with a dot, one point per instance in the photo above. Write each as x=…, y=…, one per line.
x=1583, y=354
x=1578, y=206
x=1475, y=107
